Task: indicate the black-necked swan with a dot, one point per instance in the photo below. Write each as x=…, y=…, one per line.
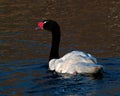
x=73, y=62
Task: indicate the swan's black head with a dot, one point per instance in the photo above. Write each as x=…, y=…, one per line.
x=49, y=25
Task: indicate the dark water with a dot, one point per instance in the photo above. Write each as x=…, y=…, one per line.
x=91, y=26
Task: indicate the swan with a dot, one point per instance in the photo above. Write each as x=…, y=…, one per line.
x=72, y=63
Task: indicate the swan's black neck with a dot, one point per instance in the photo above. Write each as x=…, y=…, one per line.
x=54, y=53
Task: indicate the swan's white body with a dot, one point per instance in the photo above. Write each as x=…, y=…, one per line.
x=75, y=62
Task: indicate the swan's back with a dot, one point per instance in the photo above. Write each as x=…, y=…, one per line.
x=80, y=56
x=75, y=61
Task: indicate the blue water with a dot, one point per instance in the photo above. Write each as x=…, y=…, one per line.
x=92, y=26
x=32, y=78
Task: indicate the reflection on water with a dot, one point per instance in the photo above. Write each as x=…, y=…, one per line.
x=89, y=26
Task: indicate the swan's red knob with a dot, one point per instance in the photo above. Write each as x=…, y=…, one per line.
x=40, y=25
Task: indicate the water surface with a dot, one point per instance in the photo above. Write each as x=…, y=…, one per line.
x=91, y=26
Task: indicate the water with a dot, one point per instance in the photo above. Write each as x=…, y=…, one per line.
x=88, y=26
x=31, y=78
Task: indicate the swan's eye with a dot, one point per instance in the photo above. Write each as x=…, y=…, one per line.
x=45, y=21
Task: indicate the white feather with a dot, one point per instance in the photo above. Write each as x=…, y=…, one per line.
x=75, y=62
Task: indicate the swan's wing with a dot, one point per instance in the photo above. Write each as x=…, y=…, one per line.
x=85, y=55
x=80, y=56
x=87, y=68
x=92, y=58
